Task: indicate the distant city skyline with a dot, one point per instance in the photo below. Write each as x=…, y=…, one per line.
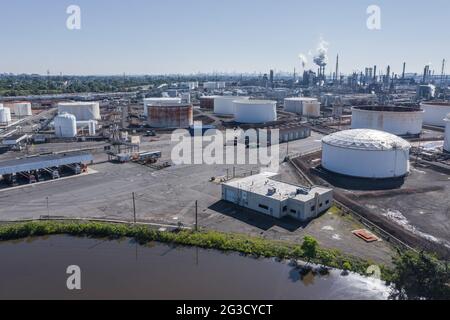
x=141, y=37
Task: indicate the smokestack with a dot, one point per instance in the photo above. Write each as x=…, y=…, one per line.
x=375, y=73
x=404, y=68
x=337, y=68
x=425, y=73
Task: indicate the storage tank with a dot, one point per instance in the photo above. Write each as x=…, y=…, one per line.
x=21, y=109
x=5, y=115
x=224, y=104
x=255, y=111
x=311, y=109
x=207, y=102
x=366, y=153
x=158, y=100
x=92, y=127
x=65, y=125
x=447, y=133
x=396, y=120
x=83, y=111
x=435, y=112
x=298, y=104
x=165, y=115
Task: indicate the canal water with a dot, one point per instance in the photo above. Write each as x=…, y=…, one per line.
x=35, y=268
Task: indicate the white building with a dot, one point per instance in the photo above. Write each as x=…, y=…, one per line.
x=366, y=153
x=277, y=199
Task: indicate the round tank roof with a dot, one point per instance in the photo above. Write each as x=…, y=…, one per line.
x=366, y=139
x=301, y=99
x=251, y=102
x=387, y=109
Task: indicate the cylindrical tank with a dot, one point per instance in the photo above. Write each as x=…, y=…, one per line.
x=5, y=115
x=311, y=109
x=158, y=100
x=395, y=120
x=21, y=109
x=207, y=102
x=447, y=134
x=255, y=111
x=186, y=97
x=435, y=112
x=170, y=115
x=298, y=104
x=366, y=153
x=224, y=104
x=83, y=111
x=65, y=125
x=92, y=127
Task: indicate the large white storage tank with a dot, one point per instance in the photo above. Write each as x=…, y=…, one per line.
x=21, y=109
x=435, y=112
x=396, y=120
x=366, y=153
x=158, y=100
x=5, y=115
x=83, y=111
x=299, y=104
x=447, y=133
x=255, y=111
x=224, y=104
x=65, y=125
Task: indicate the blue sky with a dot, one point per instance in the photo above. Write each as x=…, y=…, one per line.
x=187, y=36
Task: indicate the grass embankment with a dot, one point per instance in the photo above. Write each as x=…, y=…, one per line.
x=205, y=239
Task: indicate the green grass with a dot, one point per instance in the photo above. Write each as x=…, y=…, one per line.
x=255, y=246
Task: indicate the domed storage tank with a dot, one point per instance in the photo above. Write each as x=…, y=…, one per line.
x=65, y=125
x=366, y=153
x=170, y=115
x=158, y=100
x=435, y=112
x=21, y=109
x=83, y=111
x=299, y=104
x=255, y=111
x=5, y=115
x=395, y=120
x=447, y=134
x=224, y=104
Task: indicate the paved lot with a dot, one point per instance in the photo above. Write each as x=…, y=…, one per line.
x=169, y=195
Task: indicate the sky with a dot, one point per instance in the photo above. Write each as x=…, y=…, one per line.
x=190, y=36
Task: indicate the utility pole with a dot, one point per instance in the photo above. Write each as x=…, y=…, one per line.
x=48, y=210
x=196, y=215
x=134, y=209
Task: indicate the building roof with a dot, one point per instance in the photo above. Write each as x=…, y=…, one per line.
x=366, y=139
x=263, y=184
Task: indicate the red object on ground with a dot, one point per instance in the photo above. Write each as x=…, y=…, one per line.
x=365, y=235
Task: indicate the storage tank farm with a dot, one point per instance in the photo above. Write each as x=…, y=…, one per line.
x=65, y=125
x=255, y=111
x=366, y=153
x=83, y=111
x=435, y=112
x=403, y=121
x=447, y=134
x=224, y=105
x=158, y=100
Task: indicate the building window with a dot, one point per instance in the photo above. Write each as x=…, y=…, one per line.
x=327, y=202
x=284, y=208
x=313, y=208
x=320, y=205
x=262, y=206
x=293, y=211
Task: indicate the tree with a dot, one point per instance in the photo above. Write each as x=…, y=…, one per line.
x=420, y=276
x=309, y=247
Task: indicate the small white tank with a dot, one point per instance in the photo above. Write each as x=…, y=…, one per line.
x=447, y=133
x=92, y=127
x=21, y=109
x=5, y=115
x=65, y=125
